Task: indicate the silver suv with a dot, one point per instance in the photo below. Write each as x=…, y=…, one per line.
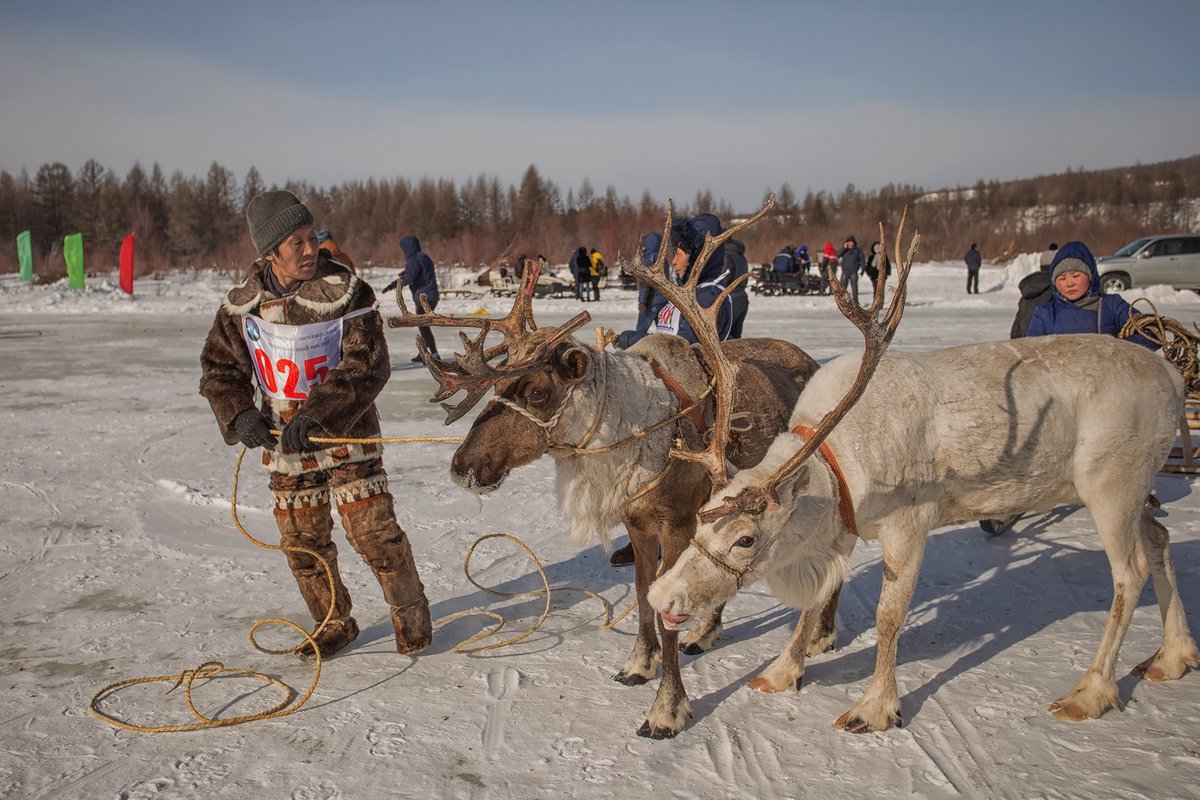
x=1172, y=260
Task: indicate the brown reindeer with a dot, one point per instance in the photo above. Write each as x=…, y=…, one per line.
x=608, y=419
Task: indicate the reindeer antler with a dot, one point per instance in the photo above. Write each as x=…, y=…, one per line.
x=473, y=371
x=877, y=334
x=704, y=325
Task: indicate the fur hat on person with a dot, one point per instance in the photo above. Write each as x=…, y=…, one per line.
x=272, y=215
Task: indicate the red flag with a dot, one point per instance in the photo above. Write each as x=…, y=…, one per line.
x=126, y=275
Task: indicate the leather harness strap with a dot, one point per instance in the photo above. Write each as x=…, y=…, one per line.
x=845, y=502
x=676, y=389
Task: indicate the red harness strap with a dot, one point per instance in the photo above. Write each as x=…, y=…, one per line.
x=845, y=503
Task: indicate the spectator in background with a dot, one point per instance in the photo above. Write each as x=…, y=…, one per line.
x=581, y=270
x=973, y=261
x=802, y=259
x=735, y=267
x=1035, y=290
x=784, y=262
x=596, y=271
x=327, y=243
x=852, y=261
x=421, y=279
x=827, y=262
x=877, y=264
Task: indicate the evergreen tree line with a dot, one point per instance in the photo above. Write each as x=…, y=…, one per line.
x=197, y=222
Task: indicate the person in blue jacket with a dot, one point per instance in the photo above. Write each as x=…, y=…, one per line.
x=421, y=278
x=687, y=239
x=1077, y=306
x=649, y=301
x=736, y=266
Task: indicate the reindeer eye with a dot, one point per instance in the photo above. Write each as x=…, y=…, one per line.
x=537, y=396
x=745, y=541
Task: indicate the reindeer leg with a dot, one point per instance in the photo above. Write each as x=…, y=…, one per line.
x=879, y=708
x=671, y=707
x=702, y=637
x=787, y=670
x=824, y=638
x=1178, y=651
x=1118, y=524
x=642, y=664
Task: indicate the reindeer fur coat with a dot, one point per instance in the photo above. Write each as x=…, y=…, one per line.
x=343, y=405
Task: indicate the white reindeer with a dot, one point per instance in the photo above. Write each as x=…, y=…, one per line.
x=943, y=438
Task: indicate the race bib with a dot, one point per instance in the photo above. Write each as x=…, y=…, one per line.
x=668, y=320
x=291, y=359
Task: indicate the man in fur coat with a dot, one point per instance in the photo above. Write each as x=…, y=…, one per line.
x=302, y=332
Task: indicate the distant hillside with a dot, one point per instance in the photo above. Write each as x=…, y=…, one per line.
x=1105, y=208
x=197, y=222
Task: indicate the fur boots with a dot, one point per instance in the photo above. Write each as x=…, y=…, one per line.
x=311, y=527
x=373, y=531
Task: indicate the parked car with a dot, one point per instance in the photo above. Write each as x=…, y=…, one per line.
x=1170, y=260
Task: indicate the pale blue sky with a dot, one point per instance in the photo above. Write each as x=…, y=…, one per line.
x=666, y=96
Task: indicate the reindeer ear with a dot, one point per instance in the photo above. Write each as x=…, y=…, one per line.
x=572, y=363
x=794, y=484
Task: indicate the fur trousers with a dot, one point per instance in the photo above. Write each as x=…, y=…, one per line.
x=303, y=514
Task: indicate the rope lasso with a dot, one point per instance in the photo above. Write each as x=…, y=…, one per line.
x=1177, y=342
x=210, y=670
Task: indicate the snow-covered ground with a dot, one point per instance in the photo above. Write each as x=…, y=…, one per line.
x=118, y=560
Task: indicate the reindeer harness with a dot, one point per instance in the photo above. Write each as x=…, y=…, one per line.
x=844, y=501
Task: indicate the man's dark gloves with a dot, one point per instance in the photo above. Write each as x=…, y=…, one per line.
x=295, y=434
x=252, y=428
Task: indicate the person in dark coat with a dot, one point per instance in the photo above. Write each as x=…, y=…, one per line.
x=1035, y=290
x=851, y=256
x=784, y=261
x=974, y=260
x=581, y=270
x=1076, y=304
x=687, y=240
x=737, y=266
x=421, y=279
x=878, y=264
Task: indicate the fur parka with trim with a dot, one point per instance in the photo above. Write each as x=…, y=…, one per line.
x=343, y=405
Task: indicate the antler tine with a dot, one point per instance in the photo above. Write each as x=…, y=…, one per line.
x=704, y=325
x=472, y=371
x=877, y=335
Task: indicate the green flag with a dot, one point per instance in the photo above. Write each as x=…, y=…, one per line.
x=73, y=253
x=25, y=255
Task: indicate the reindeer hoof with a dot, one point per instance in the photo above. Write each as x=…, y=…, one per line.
x=692, y=649
x=852, y=723
x=630, y=678
x=656, y=733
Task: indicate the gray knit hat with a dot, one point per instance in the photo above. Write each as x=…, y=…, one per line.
x=272, y=216
x=1070, y=265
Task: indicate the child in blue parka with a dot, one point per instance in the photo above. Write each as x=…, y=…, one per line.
x=1077, y=306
